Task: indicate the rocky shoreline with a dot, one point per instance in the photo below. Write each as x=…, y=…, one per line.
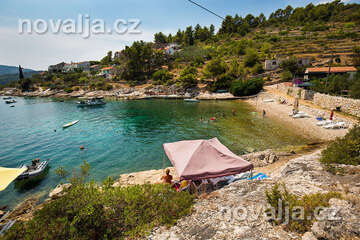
x=129, y=93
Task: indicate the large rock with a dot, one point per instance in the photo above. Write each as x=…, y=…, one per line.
x=260, y=159
x=59, y=190
x=308, y=236
x=339, y=220
x=304, y=175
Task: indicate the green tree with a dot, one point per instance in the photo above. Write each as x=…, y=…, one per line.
x=188, y=76
x=160, y=38
x=251, y=57
x=356, y=56
x=215, y=68
x=107, y=59
x=189, y=36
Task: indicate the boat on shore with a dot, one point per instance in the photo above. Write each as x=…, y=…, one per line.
x=33, y=170
x=70, y=124
x=91, y=102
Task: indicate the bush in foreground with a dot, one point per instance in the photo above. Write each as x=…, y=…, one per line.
x=344, y=150
x=297, y=220
x=90, y=212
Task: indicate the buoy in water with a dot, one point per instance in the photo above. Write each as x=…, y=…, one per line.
x=82, y=147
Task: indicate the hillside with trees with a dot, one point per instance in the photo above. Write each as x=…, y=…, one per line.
x=232, y=59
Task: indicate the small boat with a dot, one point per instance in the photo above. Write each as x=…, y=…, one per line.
x=12, y=106
x=191, y=100
x=269, y=100
x=91, y=103
x=6, y=98
x=36, y=169
x=10, y=101
x=70, y=124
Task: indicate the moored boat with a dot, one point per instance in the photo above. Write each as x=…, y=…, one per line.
x=70, y=124
x=191, y=100
x=91, y=102
x=33, y=170
x=10, y=101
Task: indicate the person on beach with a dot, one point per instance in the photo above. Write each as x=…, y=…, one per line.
x=167, y=178
x=201, y=119
x=233, y=112
x=264, y=113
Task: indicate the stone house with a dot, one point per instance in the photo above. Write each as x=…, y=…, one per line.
x=322, y=72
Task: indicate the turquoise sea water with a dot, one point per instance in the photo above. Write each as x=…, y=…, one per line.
x=123, y=136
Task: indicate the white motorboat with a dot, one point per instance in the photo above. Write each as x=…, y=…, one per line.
x=191, y=100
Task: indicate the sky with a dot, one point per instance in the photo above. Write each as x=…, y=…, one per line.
x=38, y=51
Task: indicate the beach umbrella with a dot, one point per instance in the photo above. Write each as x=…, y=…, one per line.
x=204, y=159
x=7, y=175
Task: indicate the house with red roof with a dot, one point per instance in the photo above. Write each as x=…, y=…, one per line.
x=107, y=72
x=322, y=72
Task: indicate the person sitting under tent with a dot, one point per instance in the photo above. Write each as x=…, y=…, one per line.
x=167, y=178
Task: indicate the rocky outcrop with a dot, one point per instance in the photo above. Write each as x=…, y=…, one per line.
x=59, y=190
x=304, y=175
x=261, y=159
x=233, y=212
x=339, y=221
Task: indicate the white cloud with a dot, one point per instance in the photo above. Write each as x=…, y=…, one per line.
x=38, y=51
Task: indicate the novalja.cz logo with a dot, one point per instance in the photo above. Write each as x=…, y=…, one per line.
x=83, y=25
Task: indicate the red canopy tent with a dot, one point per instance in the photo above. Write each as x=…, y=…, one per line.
x=204, y=159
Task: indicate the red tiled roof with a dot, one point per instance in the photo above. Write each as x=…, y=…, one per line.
x=107, y=68
x=332, y=69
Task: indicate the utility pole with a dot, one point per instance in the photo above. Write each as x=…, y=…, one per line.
x=328, y=75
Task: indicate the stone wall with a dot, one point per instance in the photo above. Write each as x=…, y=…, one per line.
x=348, y=105
x=295, y=91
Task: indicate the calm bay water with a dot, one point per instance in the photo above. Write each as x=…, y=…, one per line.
x=123, y=136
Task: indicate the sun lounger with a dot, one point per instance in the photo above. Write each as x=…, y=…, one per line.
x=335, y=125
x=292, y=114
x=301, y=115
x=324, y=122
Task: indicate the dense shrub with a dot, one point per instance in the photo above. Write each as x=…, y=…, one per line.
x=298, y=221
x=89, y=212
x=315, y=28
x=355, y=89
x=344, y=150
x=162, y=76
x=215, y=68
x=334, y=85
x=68, y=90
x=251, y=57
x=188, y=76
x=286, y=76
x=246, y=87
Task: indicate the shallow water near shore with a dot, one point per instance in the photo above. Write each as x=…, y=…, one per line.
x=123, y=136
